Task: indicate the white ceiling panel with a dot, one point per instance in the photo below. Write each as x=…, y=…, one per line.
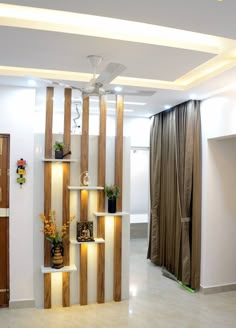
x=51, y=50
x=67, y=52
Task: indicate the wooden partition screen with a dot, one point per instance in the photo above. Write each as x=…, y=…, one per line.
x=101, y=181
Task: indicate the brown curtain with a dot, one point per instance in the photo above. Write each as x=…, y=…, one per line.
x=175, y=189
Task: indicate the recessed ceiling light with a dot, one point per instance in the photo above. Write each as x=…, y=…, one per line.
x=114, y=110
x=118, y=89
x=32, y=83
x=167, y=106
x=95, y=110
x=128, y=110
x=136, y=103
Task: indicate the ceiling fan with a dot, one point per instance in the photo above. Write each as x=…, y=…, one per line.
x=96, y=85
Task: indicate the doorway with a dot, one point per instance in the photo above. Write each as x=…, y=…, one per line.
x=4, y=219
x=139, y=203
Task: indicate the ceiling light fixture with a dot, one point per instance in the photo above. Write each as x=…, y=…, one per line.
x=118, y=89
x=125, y=110
x=32, y=83
x=95, y=110
x=125, y=102
x=167, y=106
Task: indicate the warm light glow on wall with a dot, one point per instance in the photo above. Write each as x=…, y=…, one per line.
x=57, y=170
x=56, y=288
x=83, y=250
x=84, y=196
x=109, y=220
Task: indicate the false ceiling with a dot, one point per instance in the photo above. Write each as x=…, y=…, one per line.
x=177, y=49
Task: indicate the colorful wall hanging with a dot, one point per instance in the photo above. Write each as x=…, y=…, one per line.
x=21, y=171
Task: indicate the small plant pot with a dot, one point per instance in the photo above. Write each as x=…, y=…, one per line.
x=112, y=205
x=58, y=154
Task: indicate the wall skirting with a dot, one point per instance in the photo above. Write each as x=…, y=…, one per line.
x=21, y=304
x=218, y=289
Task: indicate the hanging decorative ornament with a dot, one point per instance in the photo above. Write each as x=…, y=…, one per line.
x=21, y=171
x=84, y=178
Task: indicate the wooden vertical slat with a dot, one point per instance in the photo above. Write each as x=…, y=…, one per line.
x=83, y=205
x=118, y=182
x=101, y=202
x=47, y=191
x=119, y=148
x=48, y=167
x=83, y=274
x=66, y=289
x=48, y=125
x=47, y=291
x=84, y=137
x=66, y=196
x=84, y=200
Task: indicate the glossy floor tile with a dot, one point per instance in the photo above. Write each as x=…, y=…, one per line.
x=155, y=301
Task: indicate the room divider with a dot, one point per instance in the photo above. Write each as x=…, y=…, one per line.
x=100, y=215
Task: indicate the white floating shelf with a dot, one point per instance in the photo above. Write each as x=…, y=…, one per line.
x=110, y=214
x=96, y=241
x=69, y=160
x=85, y=188
x=69, y=268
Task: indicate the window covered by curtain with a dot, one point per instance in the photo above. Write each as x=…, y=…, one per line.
x=175, y=189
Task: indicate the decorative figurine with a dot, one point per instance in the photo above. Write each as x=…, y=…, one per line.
x=21, y=171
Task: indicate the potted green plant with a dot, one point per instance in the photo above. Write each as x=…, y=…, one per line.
x=112, y=192
x=58, y=148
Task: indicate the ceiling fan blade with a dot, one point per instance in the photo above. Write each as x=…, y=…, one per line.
x=111, y=71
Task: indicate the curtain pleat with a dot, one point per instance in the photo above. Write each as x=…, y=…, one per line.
x=175, y=188
x=155, y=176
x=196, y=203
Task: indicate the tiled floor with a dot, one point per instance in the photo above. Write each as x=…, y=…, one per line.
x=155, y=301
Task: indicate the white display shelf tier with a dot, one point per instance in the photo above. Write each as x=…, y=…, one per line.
x=85, y=188
x=69, y=160
x=69, y=268
x=96, y=241
x=110, y=214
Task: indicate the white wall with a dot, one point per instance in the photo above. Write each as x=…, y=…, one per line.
x=17, y=107
x=218, y=265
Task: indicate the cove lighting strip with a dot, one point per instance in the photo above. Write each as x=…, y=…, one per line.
x=123, y=30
